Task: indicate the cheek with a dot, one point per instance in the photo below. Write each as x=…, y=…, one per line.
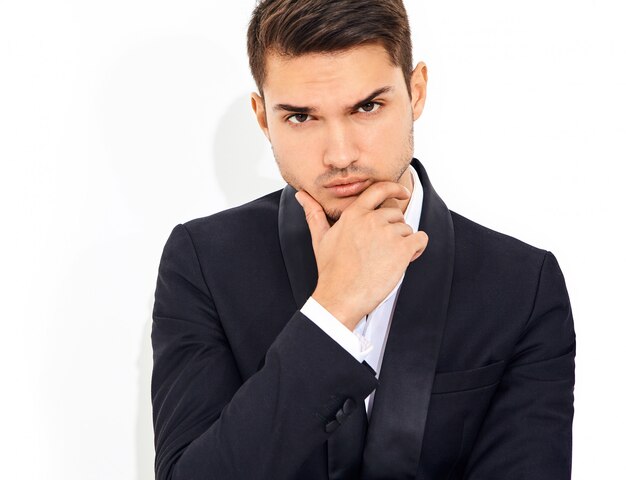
x=290, y=140
x=297, y=152
x=385, y=136
x=295, y=158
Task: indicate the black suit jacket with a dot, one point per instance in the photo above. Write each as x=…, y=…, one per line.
x=477, y=377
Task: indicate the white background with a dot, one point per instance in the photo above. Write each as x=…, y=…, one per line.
x=120, y=119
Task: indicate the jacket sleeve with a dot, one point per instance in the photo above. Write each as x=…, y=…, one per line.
x=207, y=422
x=527, y=432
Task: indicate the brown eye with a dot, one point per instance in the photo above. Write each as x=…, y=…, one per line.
x=369, y=107
x=298, y=118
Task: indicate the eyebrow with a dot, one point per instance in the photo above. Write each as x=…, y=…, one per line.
x=307, y=110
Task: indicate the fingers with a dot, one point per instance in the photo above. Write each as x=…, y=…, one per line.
x=390, y=203
x=402, y=229
x=418, y=242
x=388, y=215
x=378, y=192
x=315, y=216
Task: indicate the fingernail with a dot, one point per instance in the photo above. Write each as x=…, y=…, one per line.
x=298, y=200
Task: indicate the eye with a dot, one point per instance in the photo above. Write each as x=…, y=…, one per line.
x=369, y=107
x=298, y=118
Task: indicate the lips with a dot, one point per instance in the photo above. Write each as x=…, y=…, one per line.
x=345, y=181
x=347, y=187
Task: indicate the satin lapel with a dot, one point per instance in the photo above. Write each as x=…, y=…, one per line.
x=398, y=417
x=345, y=446
x=396, y=426
x=295, y=243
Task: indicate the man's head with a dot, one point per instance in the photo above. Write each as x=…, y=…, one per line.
x=338, y=94
x=297, y=27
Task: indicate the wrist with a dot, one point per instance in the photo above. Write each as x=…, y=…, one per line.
x=341, y=309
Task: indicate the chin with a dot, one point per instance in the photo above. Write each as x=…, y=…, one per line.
x=336, y=208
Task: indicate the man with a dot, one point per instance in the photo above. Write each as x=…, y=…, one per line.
x=360, y=329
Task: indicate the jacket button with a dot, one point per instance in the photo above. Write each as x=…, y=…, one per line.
x=341, y=416
x=332, y=426
x=348, y=406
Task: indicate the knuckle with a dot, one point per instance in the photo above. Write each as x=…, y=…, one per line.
x=420, y=242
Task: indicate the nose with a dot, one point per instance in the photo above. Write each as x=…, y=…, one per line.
x=341, y=149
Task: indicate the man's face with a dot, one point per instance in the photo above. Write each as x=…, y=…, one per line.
x=340, y=117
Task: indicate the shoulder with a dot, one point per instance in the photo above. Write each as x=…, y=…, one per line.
x=502, y=283
x=477, y=235
x=249, y=223
x=259, y=208
x=480, y=249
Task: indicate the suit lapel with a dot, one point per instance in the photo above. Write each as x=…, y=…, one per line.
x=296, y=246
x=398, y=417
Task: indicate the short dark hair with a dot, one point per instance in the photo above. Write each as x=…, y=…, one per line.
x=298, y=27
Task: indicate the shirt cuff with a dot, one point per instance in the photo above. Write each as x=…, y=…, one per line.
x=355, y=343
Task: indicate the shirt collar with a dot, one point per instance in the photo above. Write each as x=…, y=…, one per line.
x=413, y=210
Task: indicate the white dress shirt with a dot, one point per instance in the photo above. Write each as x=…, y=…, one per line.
x=367, y=341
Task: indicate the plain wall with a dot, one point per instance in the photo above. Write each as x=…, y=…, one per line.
x=120, y=119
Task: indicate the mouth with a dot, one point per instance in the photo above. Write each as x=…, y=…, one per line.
x=347, y=189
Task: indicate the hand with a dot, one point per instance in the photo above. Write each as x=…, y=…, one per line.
x=362, y=257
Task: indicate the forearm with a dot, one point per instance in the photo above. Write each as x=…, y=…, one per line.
x=281, y=409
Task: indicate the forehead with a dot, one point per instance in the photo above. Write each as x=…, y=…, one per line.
x=316, y=76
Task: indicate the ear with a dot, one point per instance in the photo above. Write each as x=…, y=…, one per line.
x=419, y=78
x=258, y=105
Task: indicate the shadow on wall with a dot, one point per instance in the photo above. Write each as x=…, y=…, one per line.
x=154, y=140
x=239, y=150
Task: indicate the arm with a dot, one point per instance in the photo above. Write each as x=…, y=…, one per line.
x=355, y=343
x=527, y=433
x=210, y=424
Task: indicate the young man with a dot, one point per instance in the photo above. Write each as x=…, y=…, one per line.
x=358, y=329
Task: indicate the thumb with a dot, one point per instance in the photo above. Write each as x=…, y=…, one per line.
x=315, y=216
